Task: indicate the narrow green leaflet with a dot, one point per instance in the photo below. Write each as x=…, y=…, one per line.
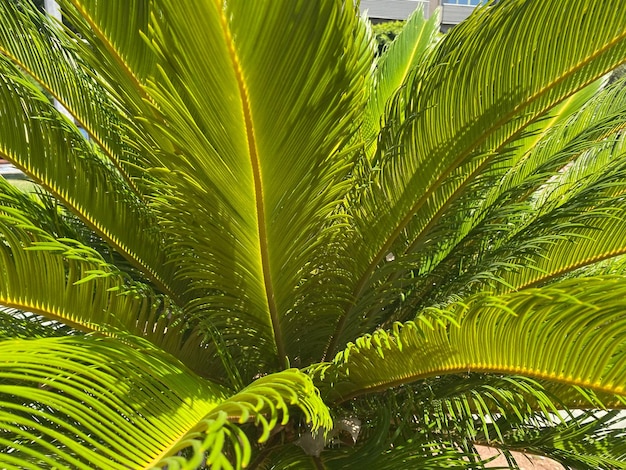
x=57, y=63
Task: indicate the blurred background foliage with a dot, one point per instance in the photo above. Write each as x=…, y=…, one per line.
x=385, y=33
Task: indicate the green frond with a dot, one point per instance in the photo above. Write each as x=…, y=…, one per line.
x=466, y=406
x=52, y=60
x=266, y=403
x=85, y=402
x=487, y=409
x=406, y=52
x=59, y=277
x=591, y=237
x=463, y=107
x=575, y=220
x=417, y=38
x=71, y=276
x=589, y=116
x=547, y=145
x=257, y=172
x=275, y=393
x=54, y=154
x=113, y=404
x=550, y=334
x=515, y=218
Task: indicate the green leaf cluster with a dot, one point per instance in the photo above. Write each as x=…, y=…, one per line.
x=276, y=248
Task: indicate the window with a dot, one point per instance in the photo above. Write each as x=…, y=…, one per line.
x=462, y=2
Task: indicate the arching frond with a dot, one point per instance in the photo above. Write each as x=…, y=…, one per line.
x=571, y=333
x=265, y=403
x=57, y=277
x=80, y=402
x=52, y=60
x=579, y=223
x=505, y=412
x=113, y=404
x=585, y=138
x=588, y=195
x=54, y=154
x=503, y=223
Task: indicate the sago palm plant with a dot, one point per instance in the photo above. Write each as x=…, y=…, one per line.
x=273, y=250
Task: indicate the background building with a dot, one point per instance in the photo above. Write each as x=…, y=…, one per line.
x=453, y=11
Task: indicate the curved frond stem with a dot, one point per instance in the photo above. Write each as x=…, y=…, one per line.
x=469, y=367
x=113, y=51
x=546, y=331
x=92, y=223
x=572, y=267
x=83, y=123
